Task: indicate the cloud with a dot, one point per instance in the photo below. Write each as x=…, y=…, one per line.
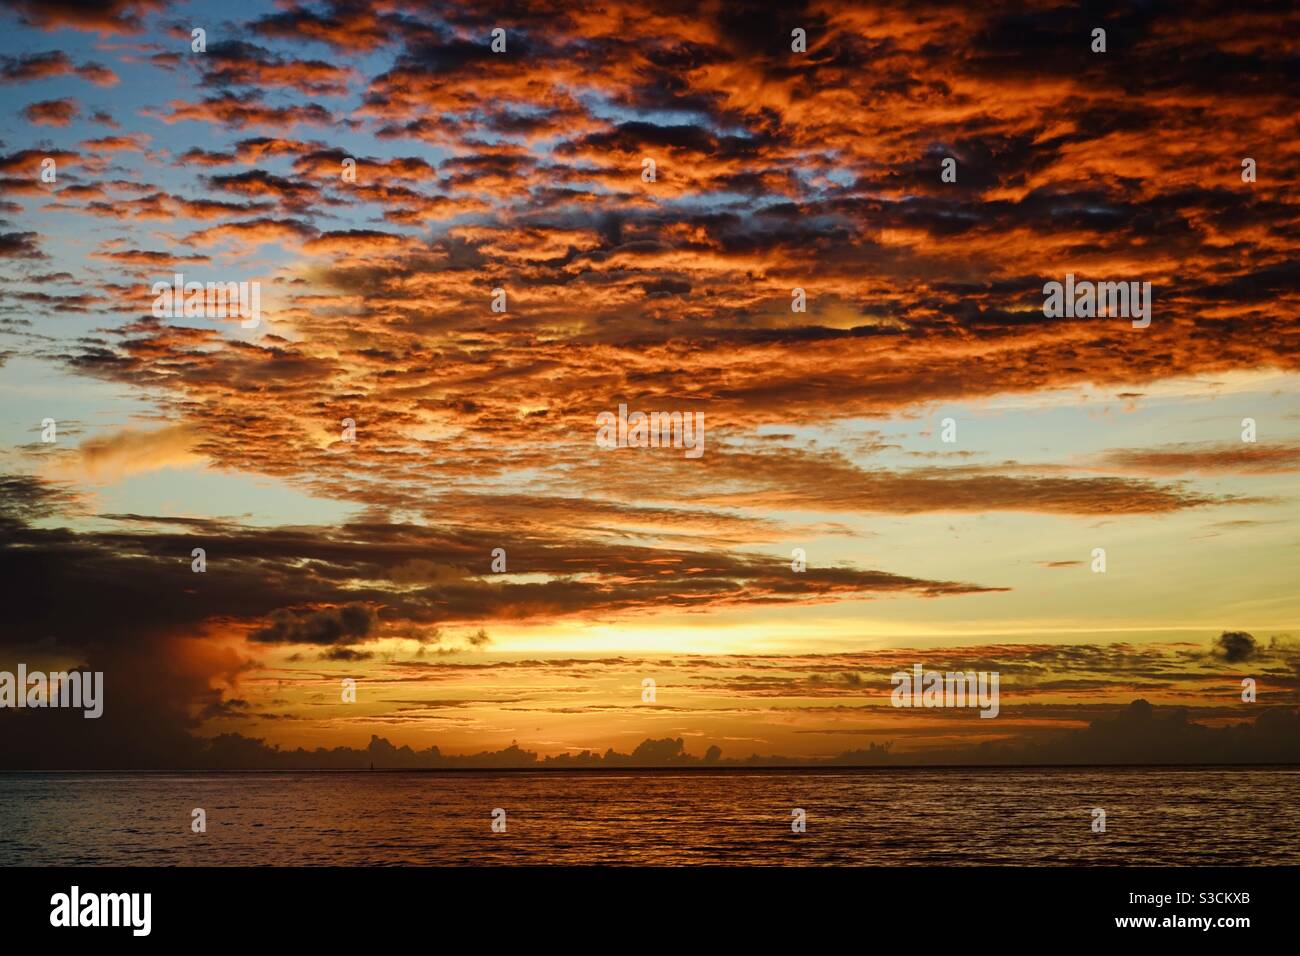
x=148, y=257
x=20, y=245
x=348, y=624
x=241, y=111
x=1235, y=646
x=363, y=580
x=38, y=66
x=344, y=26
x=1142, y=734
x=239, y=63
x=1209, y=458
x=105, y=16
x=109, y=458
x=26, y=499
x=52, y=112
x=1138, y=734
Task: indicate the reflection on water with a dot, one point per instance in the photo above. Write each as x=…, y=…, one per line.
x=1154, y=816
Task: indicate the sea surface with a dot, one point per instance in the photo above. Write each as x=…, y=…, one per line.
x=895, y=817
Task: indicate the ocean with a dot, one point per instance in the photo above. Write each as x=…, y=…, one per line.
x=892, y=817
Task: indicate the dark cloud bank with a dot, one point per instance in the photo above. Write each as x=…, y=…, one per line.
x=1138, y=734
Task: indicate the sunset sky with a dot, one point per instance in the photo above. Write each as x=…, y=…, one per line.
x=475, y=430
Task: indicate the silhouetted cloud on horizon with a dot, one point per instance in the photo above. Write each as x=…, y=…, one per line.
x=1138, y=734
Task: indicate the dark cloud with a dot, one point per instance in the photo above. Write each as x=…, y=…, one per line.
x=20, y=245
x=38, y=66
x=235, y=63
x=1138, y=734
x=101, y=16
x=1235, y=646
x=1142, y=734
x=348, y=624
x=287, y=582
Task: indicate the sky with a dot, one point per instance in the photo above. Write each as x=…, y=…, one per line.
x=629, y=207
